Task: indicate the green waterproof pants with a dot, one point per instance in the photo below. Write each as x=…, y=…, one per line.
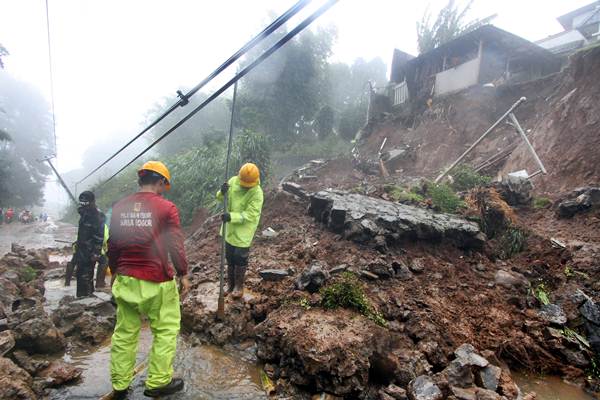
x=160, y=303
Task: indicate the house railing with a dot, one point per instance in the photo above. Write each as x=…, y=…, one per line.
x=400, y=93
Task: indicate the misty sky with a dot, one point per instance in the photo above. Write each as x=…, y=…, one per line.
x=113, y=59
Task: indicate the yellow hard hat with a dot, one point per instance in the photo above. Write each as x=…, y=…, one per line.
x=249, y=175
x=159, y=168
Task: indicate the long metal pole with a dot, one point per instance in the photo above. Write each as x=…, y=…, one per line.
x=60, y=180
x=524, y=136
x=221, y=302
x=491, y=128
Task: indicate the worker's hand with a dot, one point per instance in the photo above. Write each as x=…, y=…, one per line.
x=226, y=217
x=225, y=188
x=185, y=286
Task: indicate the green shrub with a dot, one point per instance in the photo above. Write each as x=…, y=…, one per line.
x=541, y=294
x=403, y=195
x=28, y=274
x=444, y=197
x=348, y=294
x=466, y=178
x=512, y=241
x=541, y=202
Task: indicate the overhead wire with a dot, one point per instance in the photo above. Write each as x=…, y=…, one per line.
x=51, y=77
x=326, y=6
x=184, y=98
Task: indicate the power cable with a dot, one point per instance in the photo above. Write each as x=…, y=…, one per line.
x=51, y=77
x=184, y=98
x=237, y=77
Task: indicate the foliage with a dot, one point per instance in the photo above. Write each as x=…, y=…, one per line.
x=403, y=195
x=28, y=273
x=348, y=294
x=466, y=178
x=26, y=119
x=255, y=148
x=571, y=334
x=541, y=202
x=330, y=147
x=305, y=303
x=511, y=242
x=541, y=294
x=444, y=198
x=449, y=24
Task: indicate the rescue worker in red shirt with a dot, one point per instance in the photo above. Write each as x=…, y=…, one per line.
x=144, y=232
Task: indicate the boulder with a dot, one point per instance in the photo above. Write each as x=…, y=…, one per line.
x=15, y=383
x=467, y=355
x=459, y=374
x=273, y=275
x=402, y=271
x=400, y=365
x=510, y=280
x=516, y=190
x=29, y=364
x=590, y=311
x=423, y=388
x=58, y=373
x=7, y=342
x=553, y=314
x=313, y=278
x=488, y=377
x=434, y=353
x=395, y=392
x=580, y=200
x=39, y=335
x=367, y=220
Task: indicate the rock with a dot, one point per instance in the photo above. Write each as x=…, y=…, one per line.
x=17, y=248
x=313, y=278
x=580, y=200
x=484, y=394
x=510, y=280
x=423, y=388
x=591, y=312
x=400, y=365
x=435, y=355
x=488, y=377
x=29, y=364
x=15, y=383
x=459, y=374
x=7, y=342
x=568, y=208
x=58, y=373
x=516, y=190
x=363, y=219
x=331, y=350
x=39, y=335
x=383, y=271
x=464, y=394
x=395, y=392
x=369, y=275
x=91, y=329
x=417, y=265
x=273, y=275
x=270, y=233
x=9, y=292
x=338, y=269
x=467, y=355
x=402, y=271
x=294, y=189
x=575, y=358
x=553, y=314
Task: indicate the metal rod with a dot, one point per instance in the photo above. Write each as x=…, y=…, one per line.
x=527, y=142
x=60, y=180
x=221, y=302
x=490, y=129
x=536, y=173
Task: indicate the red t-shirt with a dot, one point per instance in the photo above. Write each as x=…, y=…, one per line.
x=144, y=232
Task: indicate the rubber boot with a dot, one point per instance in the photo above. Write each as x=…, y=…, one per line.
x=69, y=273
x=175, y=386
x=230, y=279
x=101, y=272
x=238, y=289
x=119, y=394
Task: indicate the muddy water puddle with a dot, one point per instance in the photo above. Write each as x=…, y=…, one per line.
x=550, y=388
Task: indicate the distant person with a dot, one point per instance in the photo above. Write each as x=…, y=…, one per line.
x=10, y=213
x=144, y=232
x=244, y=207
x=90, y=237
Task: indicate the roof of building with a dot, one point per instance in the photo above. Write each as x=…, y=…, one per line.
x=565, y=20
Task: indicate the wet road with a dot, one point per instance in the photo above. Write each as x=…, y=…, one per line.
x=36, y=234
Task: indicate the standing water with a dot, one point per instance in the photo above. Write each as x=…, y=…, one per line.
x=550, y=387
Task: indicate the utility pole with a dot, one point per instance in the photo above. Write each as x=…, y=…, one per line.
x=60, y=179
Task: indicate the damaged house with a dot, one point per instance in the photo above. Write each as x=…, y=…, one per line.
x=485, y=55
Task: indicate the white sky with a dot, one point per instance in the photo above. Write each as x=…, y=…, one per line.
x=113, y=59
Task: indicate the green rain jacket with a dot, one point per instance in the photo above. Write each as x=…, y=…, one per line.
x=244, y=206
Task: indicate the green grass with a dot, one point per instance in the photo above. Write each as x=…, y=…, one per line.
x=466, y=178
x=403, y=195
x=348, y=294
x=28, y=274
x=512, y=242
x=541, y=202
x=541, y=294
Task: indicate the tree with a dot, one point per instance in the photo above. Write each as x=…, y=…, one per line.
x=449, y=24
x=26, y=117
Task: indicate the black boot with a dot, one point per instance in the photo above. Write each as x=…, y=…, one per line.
x=240, y=275
x=119, y=394
x=175, y=386
x=230, y=279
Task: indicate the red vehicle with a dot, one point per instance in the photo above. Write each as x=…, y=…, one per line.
x=10, y=214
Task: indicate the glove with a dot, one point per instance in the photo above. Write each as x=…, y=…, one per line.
x=224, y=188
x=226, y=217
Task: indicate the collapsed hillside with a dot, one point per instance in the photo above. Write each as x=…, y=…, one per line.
x=424, y=298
